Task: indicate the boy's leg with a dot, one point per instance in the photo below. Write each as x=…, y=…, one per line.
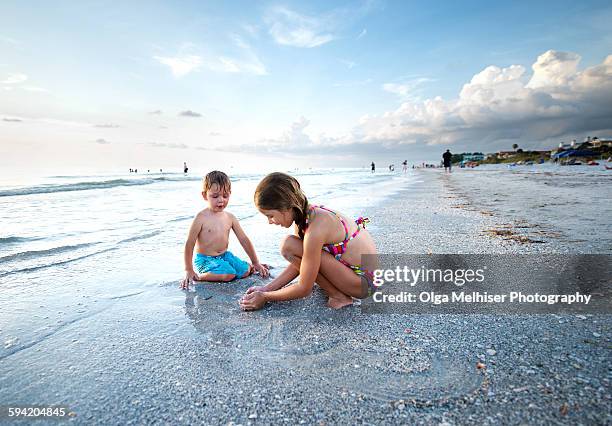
x=209, y=276
x=213, y=269
x=248, y=271
x=243, y=269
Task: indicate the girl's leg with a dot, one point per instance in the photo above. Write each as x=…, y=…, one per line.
x=340, y=283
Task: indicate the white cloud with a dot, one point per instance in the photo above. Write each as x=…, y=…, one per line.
x=238, y=41
x=9, y=40
x=227, y=65
x=296, y=135
x=406, y=89
x=244, y=61
x=553, y=69
x=172, y=145
x=51, y=121
x=181, y=65
x=15, y=79
x=107, y=126
x=102, y=141
x=349, y=64
x=63, y=123
x=232, y=65
x=293, y=29
x=398, y=89
x=497, y=104
x=252, y=30
x=497, y=107
x=293, y=139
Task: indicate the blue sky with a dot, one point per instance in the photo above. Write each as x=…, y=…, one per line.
x=317, y=83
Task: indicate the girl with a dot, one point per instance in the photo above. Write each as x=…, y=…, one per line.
x=326, y=248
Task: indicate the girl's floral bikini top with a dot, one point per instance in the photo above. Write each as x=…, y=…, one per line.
x=338, y=249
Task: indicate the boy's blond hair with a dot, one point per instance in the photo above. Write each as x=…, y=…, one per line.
x=218, y=178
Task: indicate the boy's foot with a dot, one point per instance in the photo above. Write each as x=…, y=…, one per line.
x=339, y=302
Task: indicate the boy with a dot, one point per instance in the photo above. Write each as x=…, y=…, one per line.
x=210, y=230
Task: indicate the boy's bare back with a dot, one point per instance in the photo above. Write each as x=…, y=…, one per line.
x=213, y=235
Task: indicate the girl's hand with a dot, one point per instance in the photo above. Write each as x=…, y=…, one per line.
x=253, y=301
x=189, y=277
x=261, y=269
x=260, y=288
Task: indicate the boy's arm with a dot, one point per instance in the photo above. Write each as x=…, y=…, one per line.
x=245, y=242
x=192, y=236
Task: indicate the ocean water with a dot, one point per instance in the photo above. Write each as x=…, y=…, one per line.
x=70, y=245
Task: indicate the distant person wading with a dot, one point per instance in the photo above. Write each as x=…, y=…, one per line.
x=446, y=157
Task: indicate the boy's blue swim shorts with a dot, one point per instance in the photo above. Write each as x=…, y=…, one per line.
x=225, y=263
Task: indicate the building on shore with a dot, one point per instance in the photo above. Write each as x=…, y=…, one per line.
x=477, y=156
x=596, y=143
x=505, y=154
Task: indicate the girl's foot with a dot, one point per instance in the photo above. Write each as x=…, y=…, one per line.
x=340, y=301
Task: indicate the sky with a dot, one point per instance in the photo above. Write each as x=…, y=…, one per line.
x=263, y=85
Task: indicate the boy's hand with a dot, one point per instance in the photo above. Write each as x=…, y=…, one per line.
x=261, y=269
x=189, y=277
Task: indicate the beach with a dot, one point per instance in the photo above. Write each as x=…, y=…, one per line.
x=99, y=325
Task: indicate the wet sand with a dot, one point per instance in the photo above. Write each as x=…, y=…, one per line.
x=164, y=355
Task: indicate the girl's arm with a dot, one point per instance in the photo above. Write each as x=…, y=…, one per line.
x=309, y=269
x=282, y=280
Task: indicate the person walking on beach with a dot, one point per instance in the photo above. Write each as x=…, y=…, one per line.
x=373, y=167
x=405, y=166
x=327, y=248
x=446, y=158
x=185, y=168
